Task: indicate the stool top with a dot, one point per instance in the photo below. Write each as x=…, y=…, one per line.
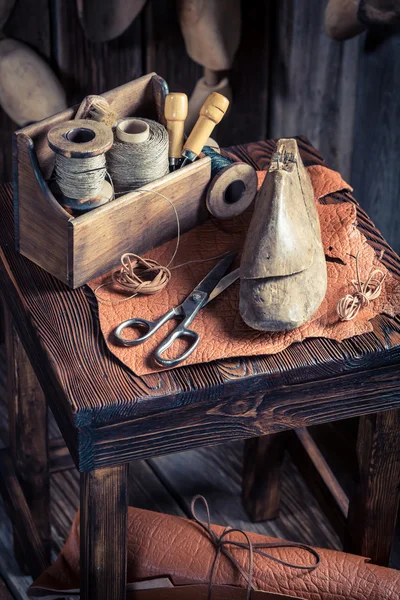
x=108, y=415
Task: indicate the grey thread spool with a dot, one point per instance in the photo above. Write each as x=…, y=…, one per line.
x=80, y=165
x=139, y=154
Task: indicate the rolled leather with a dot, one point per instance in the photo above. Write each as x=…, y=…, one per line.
x=166, y=546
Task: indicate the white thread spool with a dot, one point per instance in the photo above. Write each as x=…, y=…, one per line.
x=139, y=154
x=80, y=168
x=132, y=131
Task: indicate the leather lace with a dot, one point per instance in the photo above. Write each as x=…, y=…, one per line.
x=222, y=543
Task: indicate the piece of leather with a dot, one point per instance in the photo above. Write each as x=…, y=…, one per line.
x=168, y=546
x=223, y=334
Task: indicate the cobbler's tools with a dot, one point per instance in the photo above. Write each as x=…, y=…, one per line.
x=139, y=154
x=211, y=286
x=211, y=113
x=176, y=110
x=80, y=166
x=211, y=30
x=283, y=275
x=233, y=186
x=41, y=95
x=103, y=21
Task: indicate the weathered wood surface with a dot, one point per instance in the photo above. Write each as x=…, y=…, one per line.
x=320, y=478
x=104, y=540
x=313, y=83
x=262, y=474
x=378, y=489
x=214, y=472
x=102, y=392
x=375, y=175
x=77, y=249
x=26, y=533
x=28, y=439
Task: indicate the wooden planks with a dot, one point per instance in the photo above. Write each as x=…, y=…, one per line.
x=378, y=453
x=313, y=82
x=375, y=174
x=104, y=540
x=28, y=438
x=92, y=67
x=262, y=470
x=29, y=22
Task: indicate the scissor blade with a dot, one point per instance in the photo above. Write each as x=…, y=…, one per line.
x=223, y=284
x=213, y=278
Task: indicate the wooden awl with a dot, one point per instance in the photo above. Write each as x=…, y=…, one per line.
x=175, y=111
x=211, y=114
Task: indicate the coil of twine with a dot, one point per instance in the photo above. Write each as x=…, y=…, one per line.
x=141, y=275
x=137, y=159
x=349, y=306
x=80, y=178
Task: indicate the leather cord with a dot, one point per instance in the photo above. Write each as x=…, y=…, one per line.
x=348, y=307
x=222, y=544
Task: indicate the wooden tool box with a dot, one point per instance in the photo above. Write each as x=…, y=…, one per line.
x=76, y=249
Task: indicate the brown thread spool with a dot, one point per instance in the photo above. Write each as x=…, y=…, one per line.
x=231, y=191
x=80, y=169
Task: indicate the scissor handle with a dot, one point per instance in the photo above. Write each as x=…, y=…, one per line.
x=149, y=327
x=179, y=332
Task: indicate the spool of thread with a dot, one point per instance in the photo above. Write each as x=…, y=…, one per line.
x=139, y=154
x=80, y=165
x=233, y=186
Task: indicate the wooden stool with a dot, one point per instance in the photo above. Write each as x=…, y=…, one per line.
x=109, y=417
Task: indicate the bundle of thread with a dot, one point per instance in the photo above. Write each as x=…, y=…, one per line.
x=139, y=154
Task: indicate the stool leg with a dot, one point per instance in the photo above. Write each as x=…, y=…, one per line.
x=261, y=484
x=104, y=510
x=373, y=508
x=28, y=441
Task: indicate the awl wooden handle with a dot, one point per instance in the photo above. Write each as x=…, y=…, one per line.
x=175, y=111
x=211, y=114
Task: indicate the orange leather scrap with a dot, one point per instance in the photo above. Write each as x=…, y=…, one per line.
x=223, y=333
x=175, y=548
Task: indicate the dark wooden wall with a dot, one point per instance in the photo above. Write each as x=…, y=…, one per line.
x=288, y=78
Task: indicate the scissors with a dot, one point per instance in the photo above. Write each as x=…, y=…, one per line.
x=212, y=285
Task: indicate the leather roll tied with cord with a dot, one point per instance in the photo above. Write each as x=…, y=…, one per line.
x=229, y=564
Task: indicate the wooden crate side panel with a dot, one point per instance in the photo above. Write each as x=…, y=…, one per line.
x=42, y=223
x=138, y=221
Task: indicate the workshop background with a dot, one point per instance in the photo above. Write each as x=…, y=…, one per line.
x=288, y=78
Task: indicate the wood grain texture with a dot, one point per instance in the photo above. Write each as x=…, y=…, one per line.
x=77, y=249
x=104, y=513
x=261, y=485
x=313, y=82
x=25, y=530
x=100, y=237
x=29, y=22
x=376, y=123
x=93, y=67
x=90, y=391
x=28, y=438
x=320, y=478
x=165, y=52
x=378, y=487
